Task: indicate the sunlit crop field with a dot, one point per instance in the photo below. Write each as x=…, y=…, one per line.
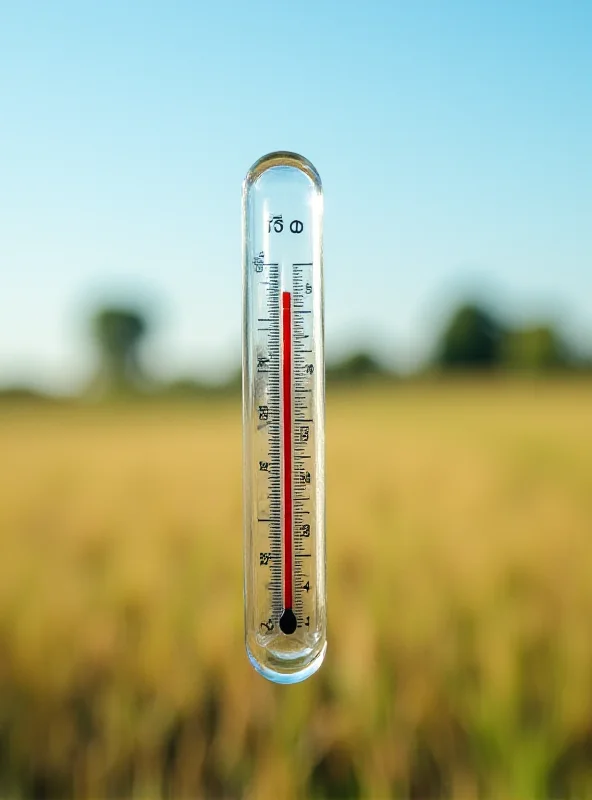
x=460, y=602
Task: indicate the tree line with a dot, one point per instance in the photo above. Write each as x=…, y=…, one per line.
x=474, y=339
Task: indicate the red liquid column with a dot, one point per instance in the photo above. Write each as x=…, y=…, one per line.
x=287, y=443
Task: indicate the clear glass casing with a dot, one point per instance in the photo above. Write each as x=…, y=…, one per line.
x=284, y=418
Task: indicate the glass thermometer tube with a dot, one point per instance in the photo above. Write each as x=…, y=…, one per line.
x=284, y=418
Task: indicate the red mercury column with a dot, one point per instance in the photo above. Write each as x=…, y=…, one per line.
x=288, y=621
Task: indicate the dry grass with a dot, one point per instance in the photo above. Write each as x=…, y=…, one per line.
x=460, y=603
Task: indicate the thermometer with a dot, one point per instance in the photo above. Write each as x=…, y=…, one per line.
x=284, y=418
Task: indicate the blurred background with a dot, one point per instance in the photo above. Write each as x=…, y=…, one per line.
x=453, y=140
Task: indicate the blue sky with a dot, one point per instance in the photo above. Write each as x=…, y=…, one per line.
x=453, y=140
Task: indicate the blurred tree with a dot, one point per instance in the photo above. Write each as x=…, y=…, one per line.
x=24, y=394
x=535, y=349
x=119, y=333
x=356, y=367
x=472, y=339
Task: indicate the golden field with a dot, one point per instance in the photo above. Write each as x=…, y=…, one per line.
x=459, y=534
